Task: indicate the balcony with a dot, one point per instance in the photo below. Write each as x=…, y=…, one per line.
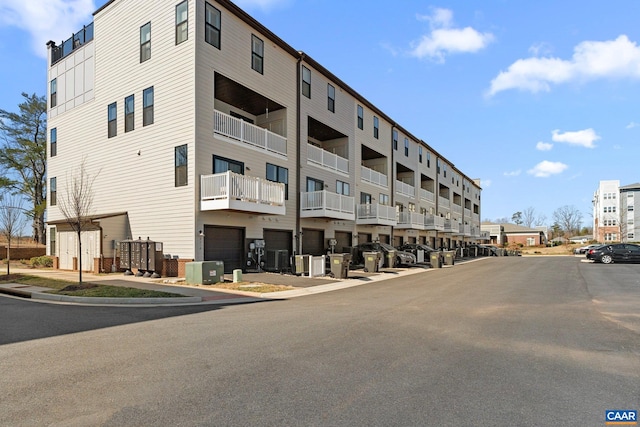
x=376, y=214
x=427, y=196
x=325, y=204
x=432, y=222
x=443, y=202
x=405, y=189
x=457, y=209
x=411, y=220
x=232, y=191
x=255, y=136
x=464, y=230
x=320, y=157
x=451, y=226
x=485, y=235
x=374, y=177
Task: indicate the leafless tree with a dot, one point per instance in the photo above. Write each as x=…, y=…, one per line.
x=530, y=218
x=569, y=218
x=12, y=221
x=76, y=206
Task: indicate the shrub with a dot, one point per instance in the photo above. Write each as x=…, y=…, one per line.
x=42, y=261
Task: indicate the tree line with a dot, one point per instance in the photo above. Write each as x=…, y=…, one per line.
x=567, y=221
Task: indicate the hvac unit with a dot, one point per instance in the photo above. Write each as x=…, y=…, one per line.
x=277, y=260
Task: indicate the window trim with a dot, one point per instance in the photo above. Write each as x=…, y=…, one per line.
x=257, y=42
x=184, y=22
x=341, y=186
x=283, y=180
x=145, y=45
x=395, y=139
x=306, y=82
x=360, y=117
x=53, y=89
x=229, y=161
x=210, y=27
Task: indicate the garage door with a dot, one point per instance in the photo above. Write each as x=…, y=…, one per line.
x=364, y=238
x=278, y=240
x=224, y=244
x=344, y=240
x=313, y=242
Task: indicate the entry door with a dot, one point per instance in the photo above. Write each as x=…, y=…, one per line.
x=67, y=249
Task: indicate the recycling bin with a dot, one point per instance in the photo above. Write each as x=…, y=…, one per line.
x=340, y=265
x=449, y=257
x=371, y=261
x=390, y=259
x=436, y=259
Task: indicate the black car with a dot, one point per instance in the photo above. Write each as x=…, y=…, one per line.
x=617, y=252
x=415, y=247
x=401, y=257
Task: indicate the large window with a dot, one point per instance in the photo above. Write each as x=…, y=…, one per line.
x=181, y=161
x=360, y=117
x=145, y=42
x=221, y=165
x=257, y=54
x=53, y=140
x=279, y=174
x=306, y=82
x=112, y=116
x=212, y=25
x=53, y=192
x=384, y=199
x=365, y=198
x=331, y=98
x=129, y=116
x=182, y=22
x=54, y=92
x=314, y=184
x=147, y=106
x=376, y=127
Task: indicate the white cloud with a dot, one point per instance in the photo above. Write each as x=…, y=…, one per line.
x=546, y=168
x=544, y=146
x=513, y=173
x=486, y=183
x=591, y=60
x=632, y=125
x=444, y=39
x=584, y=138
x=47, y=20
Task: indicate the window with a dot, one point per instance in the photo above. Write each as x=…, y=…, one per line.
x=181, y=165
x=365, y=198
x=54, y=92
x=221, y=165
x=376, y=127
x=212, y=25
x=420, y=154
x=395, y=139
x=279, y=174
x=630, y=236
x=428, y=159
x=52, y=241
x=257, y=54
x=53, y=140
x=306, y=82
x=53, y=192
x=342, y=188
x=406, y=147
x=630, y=208
x=314, y=184
x=129, y=121
x=182, y=22
x=145, y=42
x=412, y=207
x=384, y=199
x=438, y=165
x=331, y=98
x=113, y=119
x=360, y=117
x=147, y=106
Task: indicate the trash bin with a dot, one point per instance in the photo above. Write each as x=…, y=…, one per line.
x=449, y=257
x=436, y=259
x=390, y=259
x=371, y=261
x=340, y=265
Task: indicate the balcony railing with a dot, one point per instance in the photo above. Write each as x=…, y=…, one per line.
x=456, y=208
x=443, y=202
x=233, y=191
x=326, y=159
x=451, y=226
x=405, y=189
x=432, y=222
x=78, y=39
x=412, y=220
x=376, y=214
x=374, y=177
x=247, y=133
x=485, y=235
x=427, y=196
x=464, y=229
x=315, y=204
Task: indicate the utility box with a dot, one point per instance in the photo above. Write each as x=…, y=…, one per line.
x=302, y=265
x=125, y=254
x=449, y=257
x=371, y=261
x=204, y=272
x=340, y=265
x=436, y=259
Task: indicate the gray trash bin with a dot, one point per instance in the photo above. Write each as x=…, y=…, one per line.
x=340, y=265
x=449, y=257
x=390, y=259
x=436, y=259
x=371, y=261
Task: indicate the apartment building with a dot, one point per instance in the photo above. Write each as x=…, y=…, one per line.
x=203, y=130
x=629, y=214
x=606, y=211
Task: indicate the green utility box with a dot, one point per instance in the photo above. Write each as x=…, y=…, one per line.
x=204, y=272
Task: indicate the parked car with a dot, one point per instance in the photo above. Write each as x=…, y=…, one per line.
x=415, y=247
x=401, y=258
x=585, y=249
x=590, y=252
x=618, y=252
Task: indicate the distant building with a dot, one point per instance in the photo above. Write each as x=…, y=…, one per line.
x=606, y=211
x=629, y=215
x=506, y=233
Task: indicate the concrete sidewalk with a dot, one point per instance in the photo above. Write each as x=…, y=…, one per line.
x=199, y=294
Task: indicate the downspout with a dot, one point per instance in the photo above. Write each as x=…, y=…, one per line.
x=298, y=249
x=392, y=181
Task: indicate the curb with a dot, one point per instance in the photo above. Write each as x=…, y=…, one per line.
x=120, y=301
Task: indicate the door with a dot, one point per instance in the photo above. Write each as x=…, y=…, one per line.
x=634, y=253
x=364, y=237
x=224, y=244
x=313, y=242
x=90, y=248
x=67, y=249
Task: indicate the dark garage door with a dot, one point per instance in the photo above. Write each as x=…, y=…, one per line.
x=224, y=244
x=344, y=241
x=278, y=239
x=313, y=242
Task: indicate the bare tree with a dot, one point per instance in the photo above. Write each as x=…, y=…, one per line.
x=530, y=218
x=12, y=221
x=76, y=205
x=569, y=218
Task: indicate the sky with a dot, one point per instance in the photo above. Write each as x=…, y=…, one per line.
x=539, y=100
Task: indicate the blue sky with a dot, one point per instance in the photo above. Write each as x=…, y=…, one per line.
x=539, y=100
